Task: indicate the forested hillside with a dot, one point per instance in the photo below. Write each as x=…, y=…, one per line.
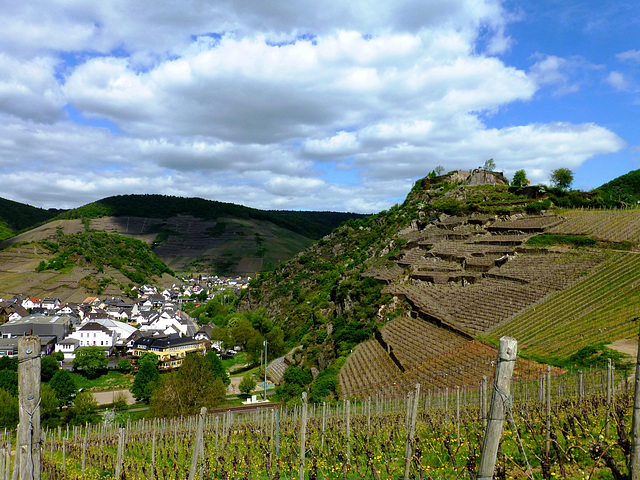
x=16, y=217
x=310, y=224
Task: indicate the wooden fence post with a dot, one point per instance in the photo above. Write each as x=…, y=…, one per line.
x=303, y=436
x=412, y=414
x=608, y=386
x=197, y=447
x=29, y=397
x=548, y=400
x=507, y=352
x=634, y=464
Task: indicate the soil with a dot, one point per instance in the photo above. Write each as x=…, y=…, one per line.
x=104, y=398
x=626, y=345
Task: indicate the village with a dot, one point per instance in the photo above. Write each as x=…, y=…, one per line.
x=153, y=321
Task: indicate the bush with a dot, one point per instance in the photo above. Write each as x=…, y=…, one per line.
x=247, y=384
x=124, y=365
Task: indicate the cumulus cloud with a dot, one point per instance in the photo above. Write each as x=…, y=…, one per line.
x=618, y=81
x=254, y=103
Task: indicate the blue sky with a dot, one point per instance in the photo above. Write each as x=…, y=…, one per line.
x=298, y=105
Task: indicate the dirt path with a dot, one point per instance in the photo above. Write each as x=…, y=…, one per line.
x=104, y=398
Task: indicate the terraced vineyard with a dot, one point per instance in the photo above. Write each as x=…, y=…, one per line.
x=410, y=351
x=605, y=225
x=464, y=276
x=601, y=308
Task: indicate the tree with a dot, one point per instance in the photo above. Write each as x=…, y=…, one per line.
x=124, y=365
x=561, y=177
x=242, y=331
x=189, y=388
x=255, y=349
x=216, y=366
x=63, y=385
x=9, y=381
x=247, y=384
x=49, y=401
x=520, y=179
x=275, y=339
x=9, y=413
x=82, y=410
x=48, y=367
x=439, y=170
x=146, y=379
x=92, y=360
x=489, y=165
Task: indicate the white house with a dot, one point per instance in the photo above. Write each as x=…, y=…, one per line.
x=92, y=333
x=68, y=347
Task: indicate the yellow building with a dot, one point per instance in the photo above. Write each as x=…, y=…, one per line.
x=170, y=351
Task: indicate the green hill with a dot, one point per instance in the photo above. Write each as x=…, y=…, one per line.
x=622, y=190
x=16, y=217
x=310, y=224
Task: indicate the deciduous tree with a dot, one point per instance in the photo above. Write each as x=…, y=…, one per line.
x=92, y=360
x=520, y=179
x=186, y=390
x=48, y=367
x=247, y=384
x=146, y=379
x=561, y=177
x=64, y=386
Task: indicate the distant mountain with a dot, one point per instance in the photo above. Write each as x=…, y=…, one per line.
x=313, y=225
x=189, y=235
x=16, y=217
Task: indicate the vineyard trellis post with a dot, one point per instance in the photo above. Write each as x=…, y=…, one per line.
x=608, y=384
x=411, y=430
x=198, y=444
x=29, y=431
x=507, y=353
x=303, y=436
x=7, y=473
x=634, y=463
x=548, y=426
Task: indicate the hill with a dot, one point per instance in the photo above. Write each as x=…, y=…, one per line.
x=624, y=190
x=16, y=217
x=187, y=234
x=414, y=293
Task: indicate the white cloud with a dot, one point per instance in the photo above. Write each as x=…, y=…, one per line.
x=253, y=102
x=618, y=81
x=629, y=56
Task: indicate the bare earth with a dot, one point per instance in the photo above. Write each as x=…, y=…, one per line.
x=626, y=345
x=104, y=398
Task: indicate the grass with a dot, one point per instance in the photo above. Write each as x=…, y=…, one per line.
x=111, y=380
x=549, y=240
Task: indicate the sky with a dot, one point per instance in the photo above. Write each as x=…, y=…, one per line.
x=333, y=105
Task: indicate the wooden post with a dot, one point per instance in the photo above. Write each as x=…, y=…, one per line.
x=7, y=474
x=303, y=436
x=507, y=352
x=608, y=383
x=548, y=429
x=458, y=414
x=197, y=447
x=120, y=455
x=29, y=396
x=411, y=431
x=634, y=463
